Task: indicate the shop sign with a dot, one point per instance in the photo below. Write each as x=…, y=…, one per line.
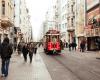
x=92, y=32
x=87, y=33
x=97, y=31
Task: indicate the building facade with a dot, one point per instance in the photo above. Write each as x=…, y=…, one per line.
x=71, y=21
x=92, y=29
x=17, y=30
x=49, y=22
x=6, y=18
x=57, y=14
x=63, y=22
x=24, y=23
x=80, y=21
x=56, y=18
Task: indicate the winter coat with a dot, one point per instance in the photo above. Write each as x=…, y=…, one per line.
x=19, y=47
x=6, y=50
x=25, y=50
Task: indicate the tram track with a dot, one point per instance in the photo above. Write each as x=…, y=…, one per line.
x=73, y=72
x=77, y=68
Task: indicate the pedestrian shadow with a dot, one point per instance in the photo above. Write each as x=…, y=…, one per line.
x=98, y=58
x=55, y=54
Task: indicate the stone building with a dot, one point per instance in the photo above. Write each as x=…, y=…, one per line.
x=92, y=28
x=71, y=21
x=6, y=18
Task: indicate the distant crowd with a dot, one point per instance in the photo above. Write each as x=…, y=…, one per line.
x=73, y=45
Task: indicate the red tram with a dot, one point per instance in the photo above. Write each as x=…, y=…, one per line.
x=52, y=42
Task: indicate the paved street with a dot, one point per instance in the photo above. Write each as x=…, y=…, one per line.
x=48, y=26
x=67, y=66
x=73, y=65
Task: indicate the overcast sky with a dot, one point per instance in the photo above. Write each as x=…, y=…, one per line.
x=37, y=10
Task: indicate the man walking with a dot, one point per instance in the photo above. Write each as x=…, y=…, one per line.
x=5, y=52
x=82, y=46
x=35, y=49
x=25, y=51
x=30, y=52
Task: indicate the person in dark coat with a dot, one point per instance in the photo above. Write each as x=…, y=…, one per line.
x=82, y=46
x=74, y=45
x=70, y=45
x=61, y=45
x=35, y=49
x=15, y=46
x=6, y=52
x=19, y=47
x=66, y=45
x=25, y=51
x=30, y=49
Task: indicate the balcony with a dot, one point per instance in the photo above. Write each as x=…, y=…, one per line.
x=70, y=28
x=72, y=14
x=72, y=2
x=6, y=22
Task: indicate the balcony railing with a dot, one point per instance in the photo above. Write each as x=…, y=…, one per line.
x=70, y=28
x=6, y=22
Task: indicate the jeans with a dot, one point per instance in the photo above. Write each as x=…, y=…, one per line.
x=25, y=56
x=30, y=56
x=5, y=66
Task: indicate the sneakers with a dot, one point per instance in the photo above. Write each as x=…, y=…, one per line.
x=2, y=75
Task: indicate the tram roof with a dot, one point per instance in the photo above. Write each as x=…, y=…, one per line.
x=52, y=34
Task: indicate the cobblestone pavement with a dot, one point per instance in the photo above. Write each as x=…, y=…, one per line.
x=19, y=70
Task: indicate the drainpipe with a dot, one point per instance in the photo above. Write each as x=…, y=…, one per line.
x=1, y=34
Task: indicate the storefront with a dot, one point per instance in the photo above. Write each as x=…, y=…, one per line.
x=93, y=39
x=93, y=43
x=92, y=30
x=71, y=36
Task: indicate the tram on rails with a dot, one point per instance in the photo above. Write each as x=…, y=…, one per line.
x=52, y=42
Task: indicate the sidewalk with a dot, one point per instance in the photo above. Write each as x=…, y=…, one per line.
x=19, y=70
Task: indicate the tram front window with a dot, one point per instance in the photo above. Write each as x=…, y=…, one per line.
x=54, y=39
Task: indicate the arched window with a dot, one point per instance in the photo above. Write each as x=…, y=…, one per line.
x=3, y=7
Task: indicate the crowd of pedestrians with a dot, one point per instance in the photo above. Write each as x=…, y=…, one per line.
x=72, y=46
x=6, y=50
x=27, y=49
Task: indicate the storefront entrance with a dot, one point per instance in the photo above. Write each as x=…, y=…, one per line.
x=93, y=43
